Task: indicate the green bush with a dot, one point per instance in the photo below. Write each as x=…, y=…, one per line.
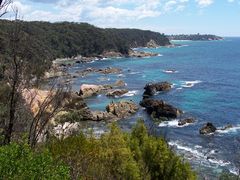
x=20, y=162
x=119, y=155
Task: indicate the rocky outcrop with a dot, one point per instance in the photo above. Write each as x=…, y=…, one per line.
x=111, y=54
x=88, y=90
x=122, y=109
x=207, y=129
x=140, y=54
x=152, y=88
x=183, y=122
x=102, y=116
x=159, y=109
x=117, y=92
x=152, y=44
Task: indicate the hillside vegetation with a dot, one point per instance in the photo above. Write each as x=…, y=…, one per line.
x=65, y=39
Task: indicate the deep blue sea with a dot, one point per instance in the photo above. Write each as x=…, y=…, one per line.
x=206, y=86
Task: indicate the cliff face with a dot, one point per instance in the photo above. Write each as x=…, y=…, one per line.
x=71, y=39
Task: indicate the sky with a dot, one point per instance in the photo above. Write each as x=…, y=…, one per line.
x=219, y=17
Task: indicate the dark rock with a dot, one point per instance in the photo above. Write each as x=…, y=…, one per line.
x=160, y=109
x=151, y=89
x=207, y=129
x=228, y=126
x=186, y=121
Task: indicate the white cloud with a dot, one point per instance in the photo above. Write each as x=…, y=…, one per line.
x=204, y=3
x=22, y=8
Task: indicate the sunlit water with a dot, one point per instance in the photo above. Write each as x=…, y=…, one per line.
x=206, y=86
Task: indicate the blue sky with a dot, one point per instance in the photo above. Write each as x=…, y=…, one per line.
x=220, y=17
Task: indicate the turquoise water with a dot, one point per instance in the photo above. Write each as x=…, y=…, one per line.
x=206, y=86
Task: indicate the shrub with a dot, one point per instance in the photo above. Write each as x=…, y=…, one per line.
x=20, y=162
x=119, y=155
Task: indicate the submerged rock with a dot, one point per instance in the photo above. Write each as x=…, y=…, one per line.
x=207, y=129
x=109, y=70
x=117, y=92
x=228, y=126
x=122, y=109
x=119, y=83
x=160, y=109
x=151, y=89
x=182, y=122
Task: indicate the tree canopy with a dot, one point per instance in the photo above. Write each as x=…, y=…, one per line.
x=65, y=39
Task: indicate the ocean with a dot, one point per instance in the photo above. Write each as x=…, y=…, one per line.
x=206, y=86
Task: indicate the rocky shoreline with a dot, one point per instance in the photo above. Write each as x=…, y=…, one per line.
x=158, y=110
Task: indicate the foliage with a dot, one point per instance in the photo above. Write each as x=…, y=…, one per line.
x=56, y=40
x=119, y=155
x=20, y=162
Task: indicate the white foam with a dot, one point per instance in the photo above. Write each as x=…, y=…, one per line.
x=198, y=147
x=130, y=93
x=91, y=61
x=173, y=123
x=179, y=88
x=134, y=73
x=234, y=171
x=184, y=45
x=159, y=55
x=121, y=75
x=199, y=155
x=189, y=84
x=229, y=130
x=188, y=149
x=219, y=162
x=170, y=71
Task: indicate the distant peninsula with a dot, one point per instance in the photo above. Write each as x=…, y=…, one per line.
x=195, y=37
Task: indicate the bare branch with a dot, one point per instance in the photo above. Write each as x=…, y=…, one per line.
x=4, y=4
